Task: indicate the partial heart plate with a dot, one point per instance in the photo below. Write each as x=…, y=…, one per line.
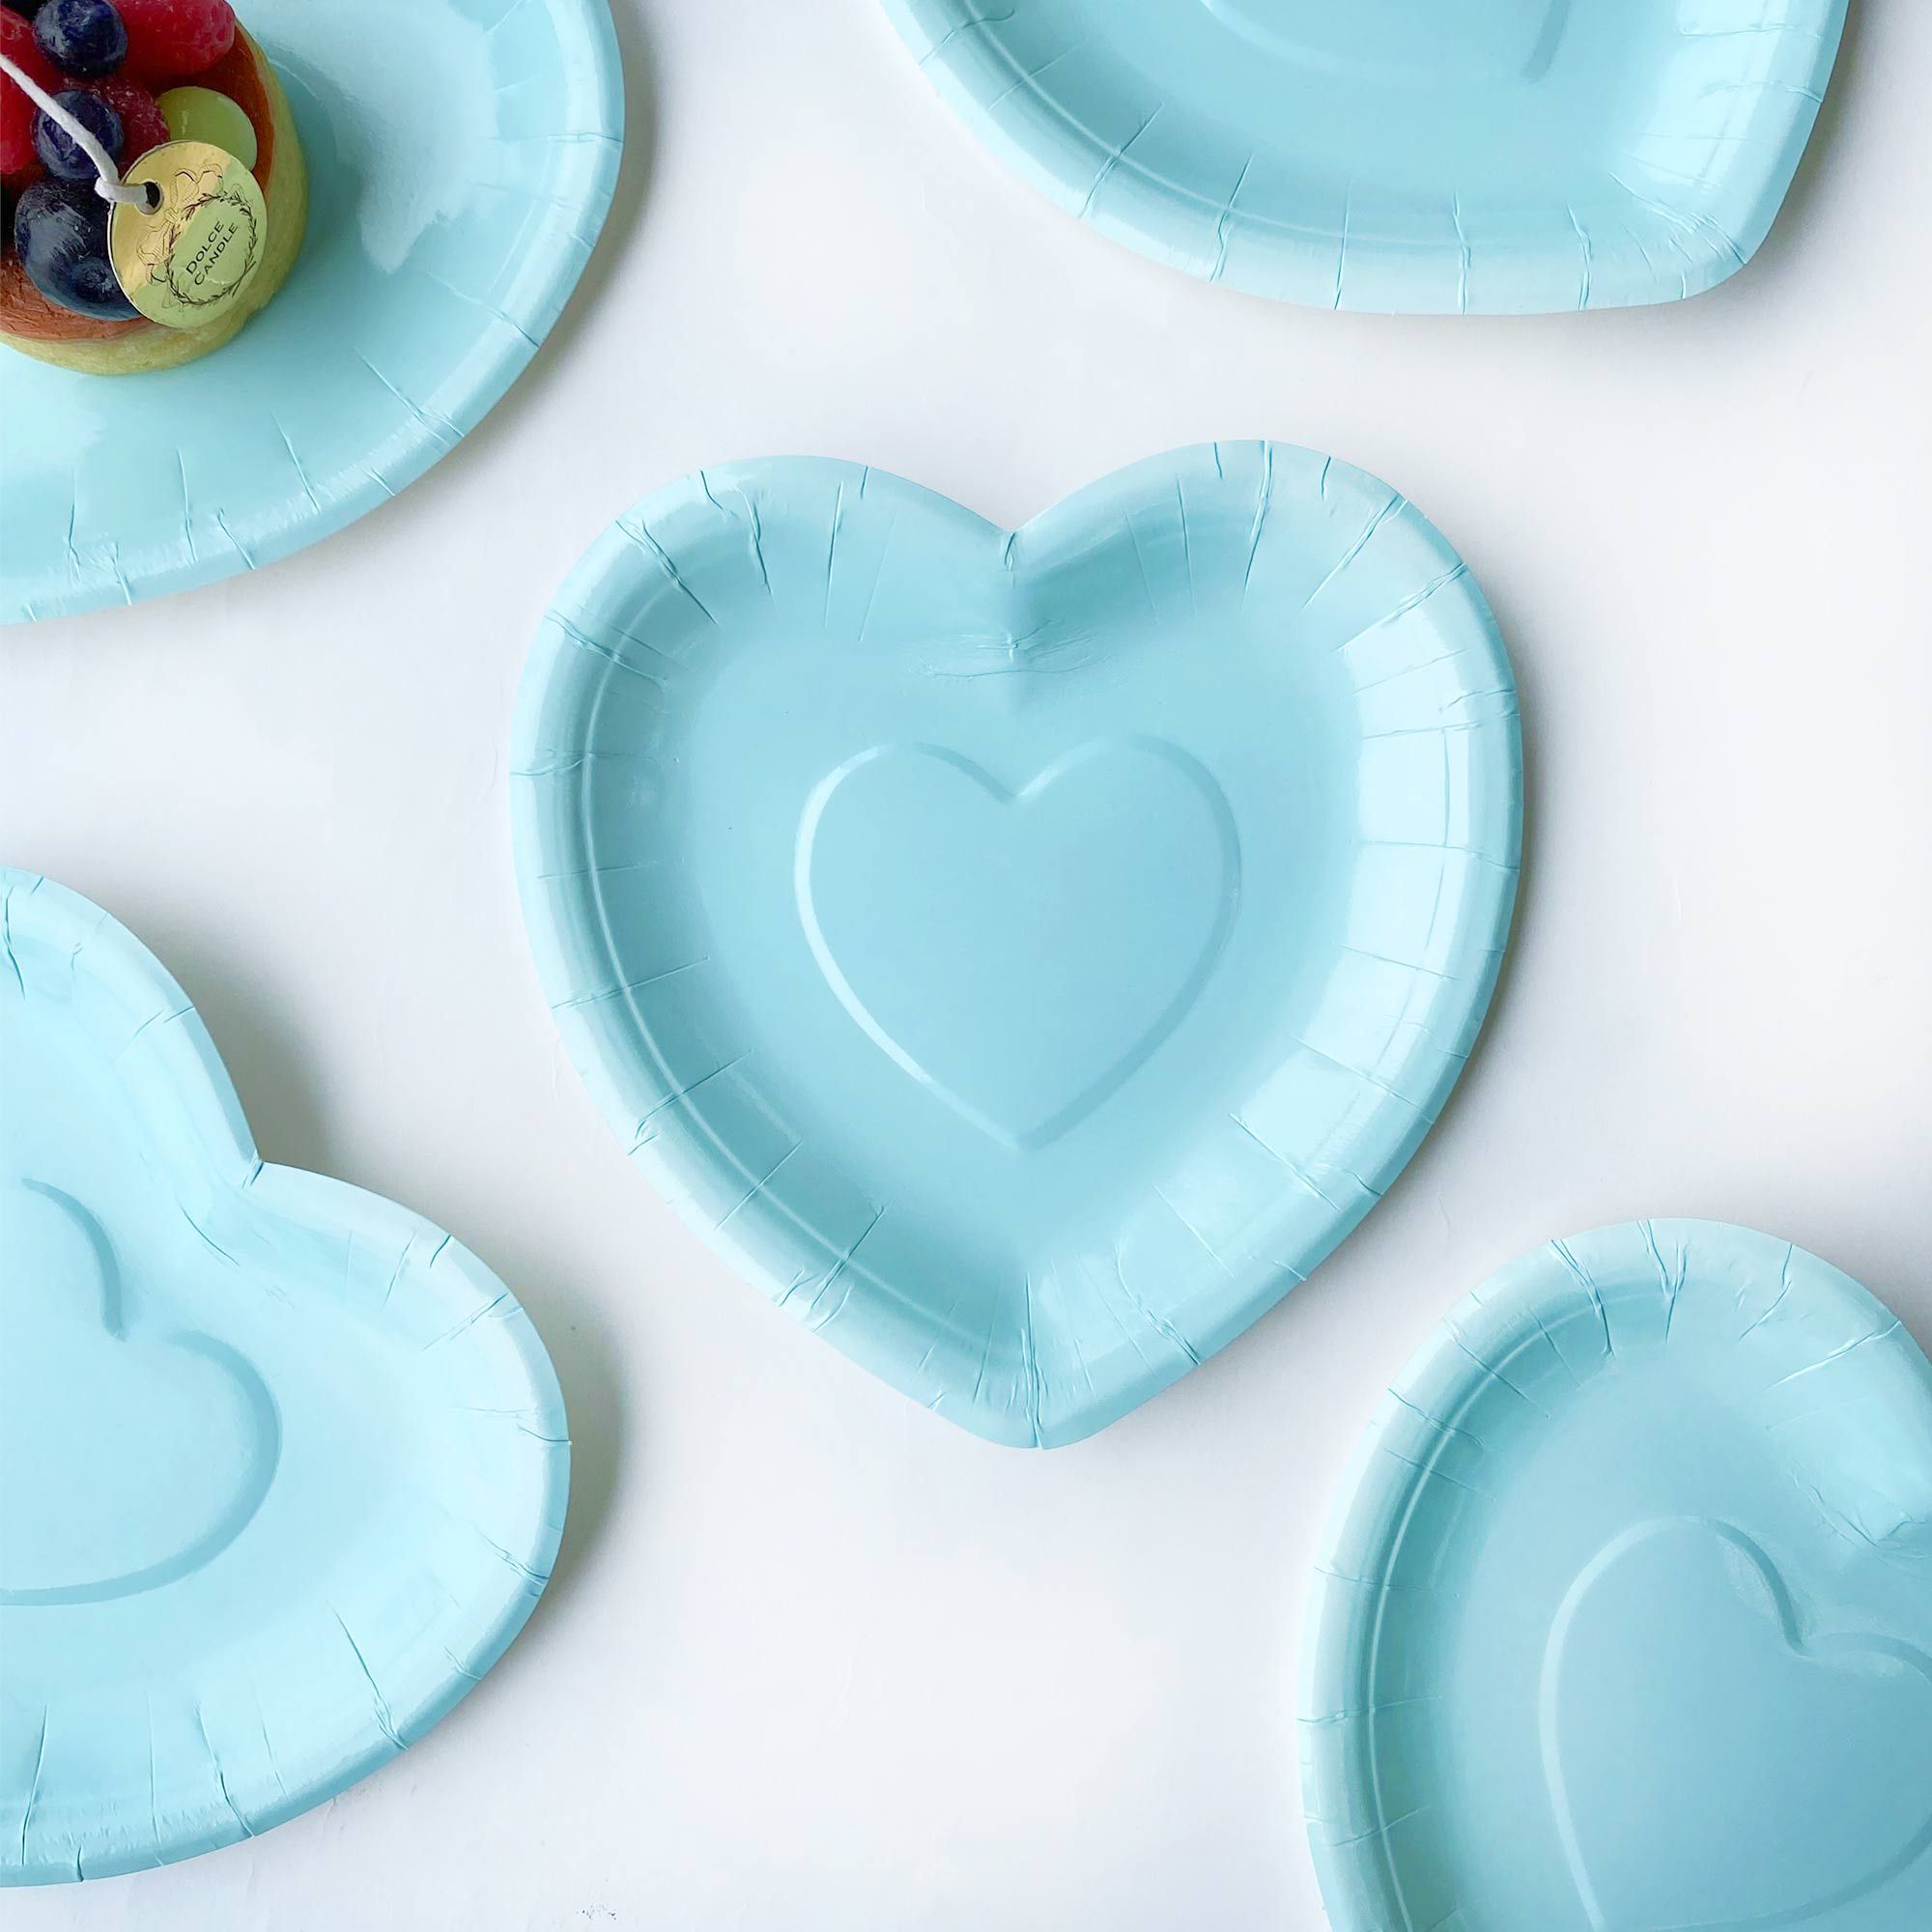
x=461, y=156
x=1625, y=1617
x=283, y=1466
x=1423, y=156
x=1025, y=956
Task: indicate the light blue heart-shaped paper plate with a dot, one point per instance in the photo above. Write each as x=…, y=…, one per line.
x=282, y=1468
x=461, y=156
x=1624, y=1623
x=1425, y=156
x=1025, y=956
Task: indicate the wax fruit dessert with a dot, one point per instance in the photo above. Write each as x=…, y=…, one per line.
x=137, y=75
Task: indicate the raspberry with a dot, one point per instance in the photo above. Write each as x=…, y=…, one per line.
x=18, y=162
x=143, y=125
x=170, y=39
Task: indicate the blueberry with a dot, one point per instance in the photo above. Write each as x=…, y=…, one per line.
x=60, y=230
x=83, y=38
x=60, y=155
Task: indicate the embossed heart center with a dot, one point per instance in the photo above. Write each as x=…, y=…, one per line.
x=162, y=1463
x=1771, y=1727
x=1100, y=894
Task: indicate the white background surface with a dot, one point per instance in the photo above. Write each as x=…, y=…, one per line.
x=814, y=1661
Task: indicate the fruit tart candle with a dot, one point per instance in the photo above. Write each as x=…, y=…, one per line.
x=154, y=192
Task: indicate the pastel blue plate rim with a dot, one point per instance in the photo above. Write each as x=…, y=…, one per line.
x=215, y=1155
x=298, y=508
x=1345, y=1820
x=1200, y=231
x=584, y=638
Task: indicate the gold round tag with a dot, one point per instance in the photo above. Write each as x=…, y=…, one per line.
x=185, y=262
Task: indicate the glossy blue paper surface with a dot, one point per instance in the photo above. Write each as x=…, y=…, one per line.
x=285, y=1467
x=461, y=156
x=1024, y=955
x=1428, y=156
x=1625, y=1618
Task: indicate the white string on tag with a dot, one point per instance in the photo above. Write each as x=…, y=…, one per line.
x=108, y=184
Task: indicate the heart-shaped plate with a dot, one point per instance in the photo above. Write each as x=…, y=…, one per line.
x=1023, y=954
x=1625, y=1619
x=1424, y=155
x=461, y=156
x=282, y=1468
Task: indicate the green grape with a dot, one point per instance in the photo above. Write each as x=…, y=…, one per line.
x=200, y=114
